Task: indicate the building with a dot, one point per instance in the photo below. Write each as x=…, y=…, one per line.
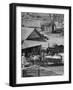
x=30, y=47
x=32, y=34
x=47, y=27
x=32, y=41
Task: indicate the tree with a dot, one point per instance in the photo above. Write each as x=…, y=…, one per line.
x=52, y=16
x=56, y=18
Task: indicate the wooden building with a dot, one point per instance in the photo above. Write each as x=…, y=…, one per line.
x=32, y=41
x=32, y=34
x=30, y=47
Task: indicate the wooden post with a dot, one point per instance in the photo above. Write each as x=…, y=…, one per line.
x=38, y=71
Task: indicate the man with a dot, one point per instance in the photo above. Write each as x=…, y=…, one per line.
x=23, y=60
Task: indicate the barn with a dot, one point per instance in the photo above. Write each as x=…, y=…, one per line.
x=32, y=41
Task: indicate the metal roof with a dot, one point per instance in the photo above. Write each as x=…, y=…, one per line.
x=30, y=43
x=25, y=32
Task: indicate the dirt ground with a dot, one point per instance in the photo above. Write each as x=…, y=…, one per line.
x=35, y=71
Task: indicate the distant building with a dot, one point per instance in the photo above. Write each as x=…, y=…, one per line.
x=47, y=27
x=32, y=23
x=59, y=25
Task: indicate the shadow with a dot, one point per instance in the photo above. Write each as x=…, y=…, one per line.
x=7, y=84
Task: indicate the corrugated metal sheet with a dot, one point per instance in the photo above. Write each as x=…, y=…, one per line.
x=25, y=32
x=30, y=43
